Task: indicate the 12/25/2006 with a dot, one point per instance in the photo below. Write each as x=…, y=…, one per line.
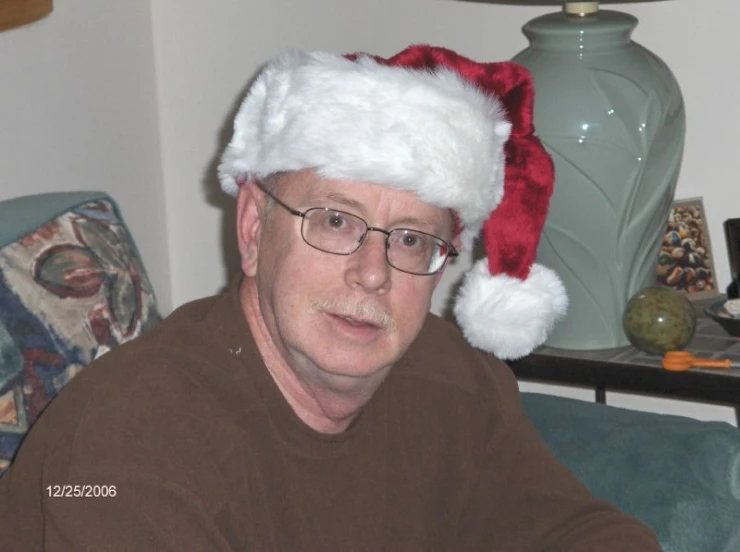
x=81, y=491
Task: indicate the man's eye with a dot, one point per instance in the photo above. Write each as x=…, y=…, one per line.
x=412, y=241
x=336, y=221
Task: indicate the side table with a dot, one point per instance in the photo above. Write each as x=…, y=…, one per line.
x=628, y=369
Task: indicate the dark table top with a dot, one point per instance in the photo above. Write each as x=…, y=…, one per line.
x=628, y=369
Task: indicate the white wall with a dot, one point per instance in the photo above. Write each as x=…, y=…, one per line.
x=78, y=112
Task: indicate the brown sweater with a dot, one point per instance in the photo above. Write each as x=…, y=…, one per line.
x=204, y=454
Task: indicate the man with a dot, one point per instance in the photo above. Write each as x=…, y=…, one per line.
x=316, y=405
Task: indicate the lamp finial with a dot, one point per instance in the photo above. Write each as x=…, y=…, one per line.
x=581, y=9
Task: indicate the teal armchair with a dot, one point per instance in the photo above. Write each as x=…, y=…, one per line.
x=678, y=475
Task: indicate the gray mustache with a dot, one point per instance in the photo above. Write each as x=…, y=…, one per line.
x=366, y=312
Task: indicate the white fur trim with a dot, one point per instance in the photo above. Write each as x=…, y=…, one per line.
x=433, y=133
x=507, y=316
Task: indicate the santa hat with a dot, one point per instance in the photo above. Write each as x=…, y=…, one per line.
x=456, y=132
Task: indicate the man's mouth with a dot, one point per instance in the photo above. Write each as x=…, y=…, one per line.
x=361, y=316
x=357, y=321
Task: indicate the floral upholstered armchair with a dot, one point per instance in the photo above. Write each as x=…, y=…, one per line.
x=72, y=287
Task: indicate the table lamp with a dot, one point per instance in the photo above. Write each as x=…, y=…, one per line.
x=611, y=114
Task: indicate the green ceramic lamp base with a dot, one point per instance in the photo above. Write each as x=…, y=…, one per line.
x=611, y=114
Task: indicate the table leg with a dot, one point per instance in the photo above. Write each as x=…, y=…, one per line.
x=601, y=397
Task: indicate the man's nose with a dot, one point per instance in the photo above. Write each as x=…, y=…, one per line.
x=368, y=266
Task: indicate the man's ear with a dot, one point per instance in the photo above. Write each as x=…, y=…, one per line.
x=249, y=207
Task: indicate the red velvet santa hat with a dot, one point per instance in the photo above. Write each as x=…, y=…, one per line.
x=457, y=132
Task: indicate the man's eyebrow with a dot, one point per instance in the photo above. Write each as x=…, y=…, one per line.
x=339, y=197
x=415, y=221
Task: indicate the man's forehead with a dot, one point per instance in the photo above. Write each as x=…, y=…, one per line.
x=310, y=187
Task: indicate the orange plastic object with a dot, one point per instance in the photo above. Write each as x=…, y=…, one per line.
x=680, y=361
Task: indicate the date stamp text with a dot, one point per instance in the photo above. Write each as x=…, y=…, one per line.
x=81, y=491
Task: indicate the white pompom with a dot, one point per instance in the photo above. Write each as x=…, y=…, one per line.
x=507, y=316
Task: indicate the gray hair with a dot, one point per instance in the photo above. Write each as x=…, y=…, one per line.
x=270, y=183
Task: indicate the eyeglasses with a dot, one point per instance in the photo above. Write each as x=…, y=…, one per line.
x=341, y=233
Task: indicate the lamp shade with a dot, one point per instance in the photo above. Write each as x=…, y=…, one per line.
x=557, y=2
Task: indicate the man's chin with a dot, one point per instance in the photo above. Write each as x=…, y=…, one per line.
x=353, y=377
x=353, y=363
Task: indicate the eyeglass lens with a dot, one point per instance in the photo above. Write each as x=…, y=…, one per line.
x=343, y=233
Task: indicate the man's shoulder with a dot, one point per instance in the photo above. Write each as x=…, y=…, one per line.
x=142, y=414
x=175, y=381
x=189, y=320
x=440, y=355
x=181, y=345
x=199, y=338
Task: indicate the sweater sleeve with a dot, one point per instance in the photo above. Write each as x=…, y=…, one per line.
x=523, y=499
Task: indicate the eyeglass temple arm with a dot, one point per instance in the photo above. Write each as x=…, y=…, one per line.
x=292, y=211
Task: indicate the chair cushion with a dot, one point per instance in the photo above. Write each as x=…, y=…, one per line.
x=678, y=475
x=72, y=287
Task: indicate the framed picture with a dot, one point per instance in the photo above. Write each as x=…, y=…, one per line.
x=685, y=260
x=732, y=237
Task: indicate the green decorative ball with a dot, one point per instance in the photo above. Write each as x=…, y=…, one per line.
x=659, y=319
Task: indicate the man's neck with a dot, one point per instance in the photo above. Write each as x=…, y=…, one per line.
x=324, y=408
